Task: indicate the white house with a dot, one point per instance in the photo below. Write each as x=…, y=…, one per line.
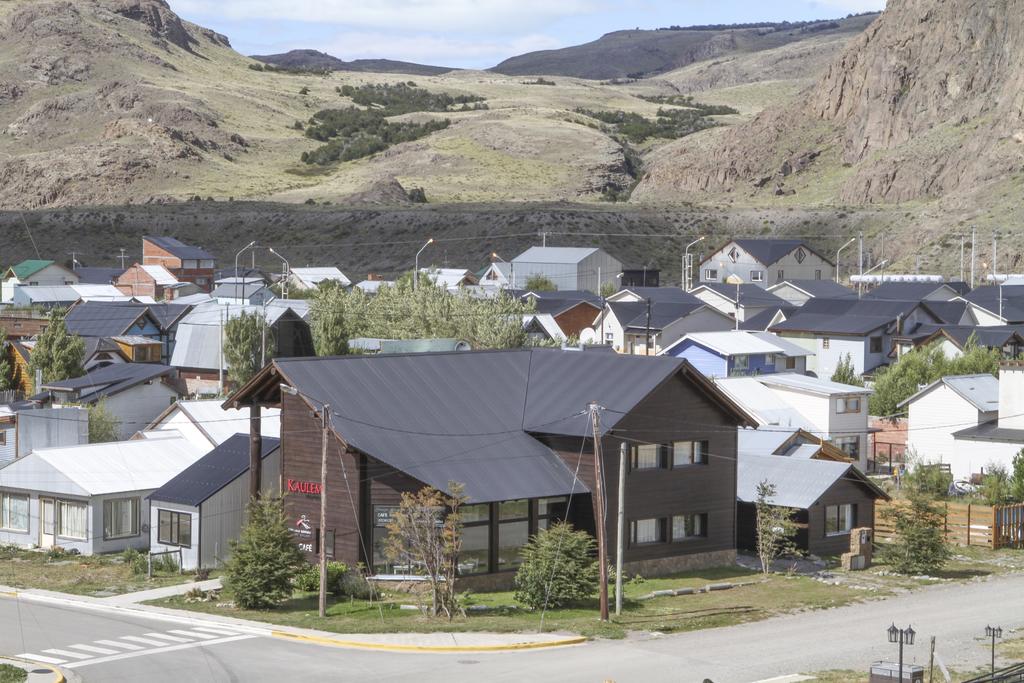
x=89, y=498
x=798, y=292
x=573, y=268
x=752, y=299
x=25, y=429
x=208, y=424
x=625, y=325
x=765, y=262
x=305, y=279
x=36, y=272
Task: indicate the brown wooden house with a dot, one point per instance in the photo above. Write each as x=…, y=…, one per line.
x=524, y=456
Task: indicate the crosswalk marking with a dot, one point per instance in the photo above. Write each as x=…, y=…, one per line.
x=164, y=636
x=67, y=653
x=218, y=631
x=39, y=658
x=123, y=646
x=94, y=649
x=195, y=634
x=144, y=641
x=159, y=650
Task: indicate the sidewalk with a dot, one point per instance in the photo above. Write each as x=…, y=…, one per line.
x=37, y=673
x=392, y=642
x=159, y=593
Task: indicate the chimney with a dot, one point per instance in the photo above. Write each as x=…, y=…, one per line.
x=1011, y=395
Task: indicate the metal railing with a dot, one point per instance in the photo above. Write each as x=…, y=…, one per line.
x=1011, y=674
x=149, y=560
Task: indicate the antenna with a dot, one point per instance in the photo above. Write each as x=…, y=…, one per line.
x=123, y=256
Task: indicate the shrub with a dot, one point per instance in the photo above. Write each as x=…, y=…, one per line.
x=928, y=479
x=995, y=486
x=558, y=568
x=919, y=543
x=134, y=560
x=264, y=559
x=308, y=580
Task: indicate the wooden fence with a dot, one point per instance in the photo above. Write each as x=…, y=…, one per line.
x=968, y=524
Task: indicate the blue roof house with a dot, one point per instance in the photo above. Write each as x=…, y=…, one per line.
x=738, y=353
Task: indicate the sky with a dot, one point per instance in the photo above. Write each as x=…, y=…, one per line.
x=473, y=34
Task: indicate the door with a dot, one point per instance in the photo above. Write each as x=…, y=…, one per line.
x=46, y=523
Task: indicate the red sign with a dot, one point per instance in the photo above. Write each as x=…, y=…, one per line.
x=312, y=488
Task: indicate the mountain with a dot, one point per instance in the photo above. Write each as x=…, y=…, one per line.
x=313, y=60
x=640, y=54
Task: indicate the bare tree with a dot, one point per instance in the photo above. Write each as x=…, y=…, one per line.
x=426, y=531
x=776, y=528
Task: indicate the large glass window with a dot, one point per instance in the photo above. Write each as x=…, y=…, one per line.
x=689, y=453
x=120, y=518
x=839, y=519
x=174, y=528
x=685, y=527
x=551, y=510
x=513, y=532
x=475, y=555
x=71, y=520
x=14, y=512
x=645, y=531
x=850, y=404
x=741, y=363
x=849, y=445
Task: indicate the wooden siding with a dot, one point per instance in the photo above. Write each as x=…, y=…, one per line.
x=842, y=492
x=578, y=318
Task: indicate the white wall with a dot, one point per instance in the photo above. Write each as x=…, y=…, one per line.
x=821, y=412
x=189, y=556
x=932, y=420
x=177, y=420
x=745, y=263
x=48, y=276
x=139, y=406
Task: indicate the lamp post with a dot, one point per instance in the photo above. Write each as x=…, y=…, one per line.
x=325, y=421
x=860, y=285
x=839, y=251
x=416, y=267
x=240, y=252
x=511, y=269
x=903, y=636
x=688, y=265
x=286, y=273
x=993, y=633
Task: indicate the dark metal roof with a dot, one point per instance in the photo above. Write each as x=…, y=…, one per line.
x=559, y=306
x=883, y=308
x=110, y=380
x=821, y=323
x=768, y=251
x=94, y=345
x=951, y=312
x=750, y=295
x=178, y=248
x=664, y=314
x=822, y=288
x=991, y=431
x=905, y=291
x=167, y=315
x=762, y=321
x=212, y=472
x=95, y=275
x=662, y=294
x=562, y=295
x=103, y=318
x=988, y=298
x=422, y=413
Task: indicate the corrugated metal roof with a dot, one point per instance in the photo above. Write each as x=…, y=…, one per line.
x=750, y=295
x=908, y=291
x=110, y=380
x=823, y=323
x=554, y=255
x=237, y=290
x=212, y=472
x=29, y=267
x=828, y=289
x=97, y=275
x=761, y=441
x=763, y=320
x=813, y=385
x=741, y=342
x=788, y=348
x=314, y=276
x=769, y=251
x=659, y=294
x=799, y=482
x=178, y=248
x=102, y=468
x=763, y=403
x=981, y=390
x=103, y=319
x=160, y=275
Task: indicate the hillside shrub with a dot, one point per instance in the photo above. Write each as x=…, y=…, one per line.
x=394, y=99
x=559, y=568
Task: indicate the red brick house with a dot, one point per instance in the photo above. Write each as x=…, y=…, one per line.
x=186, y=263
x=148, y=280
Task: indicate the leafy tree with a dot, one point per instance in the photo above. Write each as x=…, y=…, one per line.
x=426, y=530
x=919, y=543
x=244, y=350
x=845, y=374
x=607, y=289
x=559, y=568
x=540, y=283
x=57, y=353
x=775, y=526
x=6, y=376
x=927, y=479
x=1017, y=477
x=995, y=486
x=265, y=559
x=331, y=321
x=104, y=426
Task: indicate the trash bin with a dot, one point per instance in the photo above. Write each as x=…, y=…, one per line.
x=888, y=672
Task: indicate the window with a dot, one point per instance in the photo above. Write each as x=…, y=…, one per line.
x=757, y=276
x=800, y=255
x=190, y=264
x=817, y=275
x=647, y=456
x=849, y=445
x=646, y=531
x=875, y=345
x=741, y=363
x=201, y=281
x=474, y=557
x=120, y=518
x=3, y=438
x=782, y=276
x=513, y=532
x=848, y=405
x=685, y=527
x=14, y=512
x=839, y=519
x=175, y=528
x=71, y=520
x=206, y=263
x=825, y=343
x=790, y=363
x=550, y=510
x=734, y=254
x=689, y=453
x=328, y=543
x=710, y=274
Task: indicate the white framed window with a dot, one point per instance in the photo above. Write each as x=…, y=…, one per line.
x=757, y=276
x=120, y=518
x=839, y=519
x=647, y=531
x=689, y=453
x=741, y=362
x=72, y=520
x=710, y=274
x=850, y=404
x=14, y=512
x=686, y=527
x=782, y=276
x=825, y=341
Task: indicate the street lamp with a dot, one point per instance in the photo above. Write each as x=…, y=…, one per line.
x=860, y=285
x=511, y=268
x=688, y=265
x=903, y=637
x=993, y=633
x=240, y=252
x=839, y=251
x=287, y=273
x=325, y=420
x=416, y=267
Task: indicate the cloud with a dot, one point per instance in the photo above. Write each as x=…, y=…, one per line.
x=490, y=16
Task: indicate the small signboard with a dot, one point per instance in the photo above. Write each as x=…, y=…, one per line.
x=382, y=514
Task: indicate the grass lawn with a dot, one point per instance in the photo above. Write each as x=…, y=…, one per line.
x=764, y=597
x=12, y=674
x=78, y=574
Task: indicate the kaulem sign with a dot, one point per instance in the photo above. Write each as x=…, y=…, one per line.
x=312, y=488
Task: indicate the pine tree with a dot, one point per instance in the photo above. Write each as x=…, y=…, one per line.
x=919, y=544
x=559, y=568
x=6, y=376
x=265, y=558
x=845, y=374
x=57, y=353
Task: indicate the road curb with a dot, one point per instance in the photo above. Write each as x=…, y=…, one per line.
x=58, y=675
x=360, y=645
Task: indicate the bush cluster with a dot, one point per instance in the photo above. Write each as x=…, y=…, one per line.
x=669, y=124
x=558, y=568
x=354, y=133
x=393, y=99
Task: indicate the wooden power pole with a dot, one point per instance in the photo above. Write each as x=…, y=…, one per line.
x=602, y=532
x=325, y=419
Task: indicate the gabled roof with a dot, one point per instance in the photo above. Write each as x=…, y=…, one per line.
x=314, y=276
x=821, y=323
x=763, y=320
x=111, y=380
x=763, y=404
x=993, y=337
x=664, y=314
x=890, y=308
x=199, y=481
x=988, y=297
x=554, y=255
x=951, y=312
x=768, y=251
x=799, y=483
x=105, y=318
x=238, y=291
x=178, y=248
x=160, y=275
x=908, y=291
x=818, y=288
x=422, y=415
x=811, y=385
x=658, y=294
x=750, y=295
x=576, y=295
x=740, y=342
x=102, y=468
x=981, y=391
x=94, y=345
x=96, y=275
x=29, y=267
x=560, y=306
x=217, y=423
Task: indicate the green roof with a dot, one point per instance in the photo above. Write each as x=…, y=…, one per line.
x=30, y=267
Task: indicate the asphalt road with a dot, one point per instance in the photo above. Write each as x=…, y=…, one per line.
x=844, y=638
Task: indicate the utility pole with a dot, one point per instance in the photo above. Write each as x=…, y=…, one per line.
x=860, y=259
x=325, y=419
x=931, y=654
x=621, y=531
x=995, y=253
x=255, y=452
x=974, y=239
x=123, y=256
x=602, y=531
x=647, y=343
